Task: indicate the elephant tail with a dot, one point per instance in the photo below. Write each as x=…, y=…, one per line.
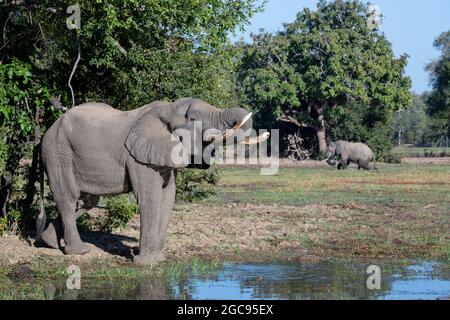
x=41, y=219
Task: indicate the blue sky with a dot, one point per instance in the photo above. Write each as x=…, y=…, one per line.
x=410, y=25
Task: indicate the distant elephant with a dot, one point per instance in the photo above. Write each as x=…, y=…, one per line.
x=348, y=152
x=94, y=150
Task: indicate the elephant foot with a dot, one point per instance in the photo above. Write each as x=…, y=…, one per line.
x=50, y=237
x=79, y=249
x=148, y=259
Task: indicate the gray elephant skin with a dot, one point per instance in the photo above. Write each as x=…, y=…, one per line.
x=349, y=152
x=94, y=150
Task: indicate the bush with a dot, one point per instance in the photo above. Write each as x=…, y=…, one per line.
x=3, y=152
x=3, y=225
x=393, y=158
x=194, y=184
x=120, y=212
x=380, y=142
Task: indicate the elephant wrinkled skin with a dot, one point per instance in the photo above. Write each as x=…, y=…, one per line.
x=349, y=152
x=94, y=150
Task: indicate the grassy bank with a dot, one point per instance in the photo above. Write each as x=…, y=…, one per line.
x=46, y=278
x=302, y=214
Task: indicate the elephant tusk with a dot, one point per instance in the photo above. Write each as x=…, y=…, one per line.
x=326, y=159
x=263, y=137
x=230, y=132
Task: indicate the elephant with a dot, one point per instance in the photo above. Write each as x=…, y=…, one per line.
x=355, y=152
x=95, y=150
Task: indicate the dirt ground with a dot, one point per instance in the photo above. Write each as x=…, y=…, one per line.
x=241, y=230
x=422, y=160
x=258, y=233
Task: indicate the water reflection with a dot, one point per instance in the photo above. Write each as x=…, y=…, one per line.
x=333, y=279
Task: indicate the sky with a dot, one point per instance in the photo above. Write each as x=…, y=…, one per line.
x=410, y=25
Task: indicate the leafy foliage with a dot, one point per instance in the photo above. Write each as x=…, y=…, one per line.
x=193, y=184
x=319, y=67
x=3, y=225
x=131, y=53
x=410, y=125
x=21, y=95
x=439, y=99
x=120, y=212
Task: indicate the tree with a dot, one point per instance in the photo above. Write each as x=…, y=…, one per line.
x=126, y=53
x=411, y=123
x=321, y=65
x=439, y=98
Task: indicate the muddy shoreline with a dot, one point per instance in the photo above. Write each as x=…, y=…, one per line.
x=257, y=233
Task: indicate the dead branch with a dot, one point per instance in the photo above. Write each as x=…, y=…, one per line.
x=4, y=30
x=72, y=73
x=294, y=121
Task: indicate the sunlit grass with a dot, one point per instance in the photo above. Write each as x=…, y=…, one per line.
x=420, y=151
x=406, y=185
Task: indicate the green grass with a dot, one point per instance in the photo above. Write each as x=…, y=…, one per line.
x=410, y=151
x=397, y=185
x=109, y=276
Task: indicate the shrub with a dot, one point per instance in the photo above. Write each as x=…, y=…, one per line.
x=393, y=158
x=3, y=225
x=195, y=184
x=3, y=151
x=120, y=211
x=380, y=142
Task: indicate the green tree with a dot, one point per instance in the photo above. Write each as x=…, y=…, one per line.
x=21, y=112
x=321, y=65
x=126, y=53
x=410, y=124
x=439, y=98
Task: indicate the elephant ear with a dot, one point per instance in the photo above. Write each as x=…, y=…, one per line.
x=150, y=140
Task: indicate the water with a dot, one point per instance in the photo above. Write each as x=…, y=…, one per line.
x=332, y=279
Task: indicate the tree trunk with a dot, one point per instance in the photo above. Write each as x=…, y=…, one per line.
x=321, y=134
x=5, y=186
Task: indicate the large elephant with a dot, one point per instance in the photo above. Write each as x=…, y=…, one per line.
x=95, y=150
x=349, y=152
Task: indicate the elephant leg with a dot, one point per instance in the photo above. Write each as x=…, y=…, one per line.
x=344, y=163
x=65, y=193
x=167, y=202
x=364, y=165
x=73, y=243
x=148, y=188
x=54, y=232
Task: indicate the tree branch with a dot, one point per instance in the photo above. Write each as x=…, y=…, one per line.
x=72, y=73
x=4, y=30
x=301, y=124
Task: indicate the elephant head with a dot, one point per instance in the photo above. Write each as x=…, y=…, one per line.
x=332, y=151
x=175, y=134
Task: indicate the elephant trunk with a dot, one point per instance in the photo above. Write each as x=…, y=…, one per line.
x=232, y=121
x=230, y=117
